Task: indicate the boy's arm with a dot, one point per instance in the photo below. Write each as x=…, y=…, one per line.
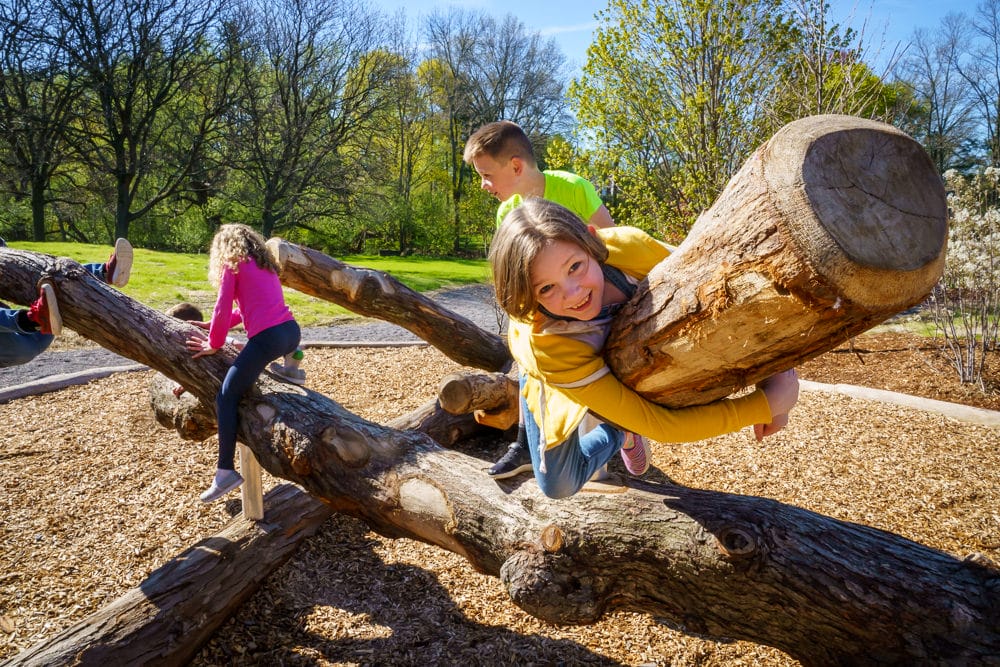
x=601, y=218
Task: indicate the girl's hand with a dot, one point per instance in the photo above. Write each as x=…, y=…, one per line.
x=782, y=391
x=198, y=346
x=200, y=324
x=761, y=431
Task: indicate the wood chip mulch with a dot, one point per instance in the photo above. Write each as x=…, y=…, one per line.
x=94, y=495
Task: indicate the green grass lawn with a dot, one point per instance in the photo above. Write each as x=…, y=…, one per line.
x=162, y=279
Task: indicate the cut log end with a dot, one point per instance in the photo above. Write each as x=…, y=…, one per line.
x=864, y=204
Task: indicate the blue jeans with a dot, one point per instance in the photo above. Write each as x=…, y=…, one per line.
x=18, y=346
x=570, y=464
x=266, y=346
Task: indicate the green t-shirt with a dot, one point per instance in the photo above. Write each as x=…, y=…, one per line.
x=574, y=192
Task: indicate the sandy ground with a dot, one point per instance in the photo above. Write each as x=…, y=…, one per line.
x=94, y=495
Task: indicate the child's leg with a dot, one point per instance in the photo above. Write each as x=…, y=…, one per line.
x=118, y=268
x=570, y=465
x=18, y=348
x=259, y=350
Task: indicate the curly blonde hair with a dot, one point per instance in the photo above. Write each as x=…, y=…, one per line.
x=234, y=244
x=523, y=234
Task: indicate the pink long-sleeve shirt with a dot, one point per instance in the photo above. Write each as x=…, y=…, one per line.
x=260, y=303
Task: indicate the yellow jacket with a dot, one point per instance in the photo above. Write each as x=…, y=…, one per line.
x=566, y=375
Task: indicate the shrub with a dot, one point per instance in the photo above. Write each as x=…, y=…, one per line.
x=966, y=302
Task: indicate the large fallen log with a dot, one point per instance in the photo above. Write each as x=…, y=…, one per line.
x=177, y=608
x=377, y=294
x=824, y=591
x=831, y=227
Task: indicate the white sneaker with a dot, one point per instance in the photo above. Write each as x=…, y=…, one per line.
x=224, y=482
x=119, y=267
x=289, y=373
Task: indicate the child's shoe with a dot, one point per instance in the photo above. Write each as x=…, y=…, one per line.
x=514, y=462
x=119, y=265
x=636, y=461
x=290, y=370
x=45, y=311
x=288, y=373
x=224, y=482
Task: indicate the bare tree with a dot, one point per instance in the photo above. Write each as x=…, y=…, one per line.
x=946, y=125
x=981, y=70
x=484, y=70
x=151, y=69
x=38, y=96
x=312, y=77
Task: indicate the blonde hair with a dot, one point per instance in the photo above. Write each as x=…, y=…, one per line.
x=234, y=244
x=524, y=232
x=500, y=140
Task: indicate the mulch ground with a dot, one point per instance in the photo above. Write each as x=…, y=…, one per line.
x=94, y=495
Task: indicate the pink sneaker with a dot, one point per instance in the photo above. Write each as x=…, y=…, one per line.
x=634, y=455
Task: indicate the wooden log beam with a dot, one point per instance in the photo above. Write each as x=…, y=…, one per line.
x=491, y=398
x=377, y=294
x=831, y=227
x=167, y=619
x=185, y=414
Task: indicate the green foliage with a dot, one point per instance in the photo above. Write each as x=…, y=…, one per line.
x=670, y=99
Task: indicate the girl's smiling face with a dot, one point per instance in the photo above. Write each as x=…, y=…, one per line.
x=567, y=281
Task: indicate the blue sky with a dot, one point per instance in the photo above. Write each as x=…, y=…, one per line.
x=571, y=22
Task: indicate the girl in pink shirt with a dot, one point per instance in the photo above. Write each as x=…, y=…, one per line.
x=242, y=269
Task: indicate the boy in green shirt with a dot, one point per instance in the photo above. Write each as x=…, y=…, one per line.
x=502, y=155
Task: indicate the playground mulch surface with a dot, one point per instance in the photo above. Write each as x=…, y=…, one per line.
x=94, y=495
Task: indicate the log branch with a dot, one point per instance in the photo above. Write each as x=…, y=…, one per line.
x=831, y=227
x=491, y=398
x=377, y=294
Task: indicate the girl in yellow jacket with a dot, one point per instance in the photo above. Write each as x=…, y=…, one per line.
x=561, y=283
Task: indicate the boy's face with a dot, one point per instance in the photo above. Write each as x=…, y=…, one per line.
x=499, y=176
x=568, y=281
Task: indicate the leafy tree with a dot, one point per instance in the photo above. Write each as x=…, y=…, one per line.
x=397, y=153
x=825, y=73
x=144, y=64
x=670, y=100
x=38, y=98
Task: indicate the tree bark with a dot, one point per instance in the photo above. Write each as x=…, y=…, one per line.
x=189, y=417
x=834, y=225
x=378, y=294
x=177, y=608
x=825, y=591
x=491, y=399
